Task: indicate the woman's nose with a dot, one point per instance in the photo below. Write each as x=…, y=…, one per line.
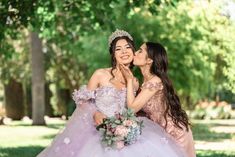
x=124, y=50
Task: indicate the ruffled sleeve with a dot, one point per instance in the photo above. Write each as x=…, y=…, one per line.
x=152, y=86
x=83, y=95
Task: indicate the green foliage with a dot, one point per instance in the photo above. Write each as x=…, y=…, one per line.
x=197, y=36
x=199, y=43
x=62, y=25
x=14, y=59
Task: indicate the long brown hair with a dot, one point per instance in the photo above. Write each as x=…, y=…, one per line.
x=159, y=67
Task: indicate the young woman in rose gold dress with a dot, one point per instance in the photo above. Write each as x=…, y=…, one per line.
x=157, y=97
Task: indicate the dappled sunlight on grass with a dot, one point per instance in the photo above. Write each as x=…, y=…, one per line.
x=204, y=132
x=214, y=138
x=21, y=138
x=24, y=134
x=209, y=153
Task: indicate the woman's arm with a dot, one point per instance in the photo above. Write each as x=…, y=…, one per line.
x=132, y=88
x=94, y=80
x=130, y=92
x=137, y=103
x=92, y=85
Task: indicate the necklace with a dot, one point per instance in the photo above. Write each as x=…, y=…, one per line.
x=148, y=77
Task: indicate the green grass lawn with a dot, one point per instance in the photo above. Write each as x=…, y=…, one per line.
x=19, y=139
x=214, y=138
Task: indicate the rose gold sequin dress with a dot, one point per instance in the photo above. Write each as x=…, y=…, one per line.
x=154, y=110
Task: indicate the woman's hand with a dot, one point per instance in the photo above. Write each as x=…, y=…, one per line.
x=99, y=117
x=126, y=72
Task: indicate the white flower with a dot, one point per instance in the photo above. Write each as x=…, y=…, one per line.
x=134, y=125
x=66, y=140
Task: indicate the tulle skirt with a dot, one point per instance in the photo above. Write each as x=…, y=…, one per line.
x=80, y=139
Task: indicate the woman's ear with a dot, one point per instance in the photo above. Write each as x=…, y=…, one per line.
x=149, y=61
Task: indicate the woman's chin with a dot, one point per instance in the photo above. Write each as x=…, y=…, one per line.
x=135, y=64
x=126, y=62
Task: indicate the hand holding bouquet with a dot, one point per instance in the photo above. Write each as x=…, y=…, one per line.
x=120, y=130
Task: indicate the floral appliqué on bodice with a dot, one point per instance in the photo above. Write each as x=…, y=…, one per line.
x=108, y=99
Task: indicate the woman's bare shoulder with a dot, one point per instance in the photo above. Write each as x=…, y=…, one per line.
x=155, y=79
x=102, y=72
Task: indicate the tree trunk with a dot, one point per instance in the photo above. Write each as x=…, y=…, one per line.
x=28, y=102
x=65, y=104
x=1, y=120
x=14, y=100
x=48, y=107
x=38, y=82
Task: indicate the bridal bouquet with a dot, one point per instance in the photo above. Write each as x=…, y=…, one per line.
x=120, y=130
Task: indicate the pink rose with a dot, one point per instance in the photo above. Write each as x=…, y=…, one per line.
x=121, y=131
x=128, y=122
x=120, y=144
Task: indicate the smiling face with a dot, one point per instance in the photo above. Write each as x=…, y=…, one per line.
x=141, y=57
x=123, y=52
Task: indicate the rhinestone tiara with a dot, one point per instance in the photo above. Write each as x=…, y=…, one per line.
x=119, y=33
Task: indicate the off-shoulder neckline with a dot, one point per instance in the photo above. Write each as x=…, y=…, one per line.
x=111, y=86
x=104, y=86
x=151, y=83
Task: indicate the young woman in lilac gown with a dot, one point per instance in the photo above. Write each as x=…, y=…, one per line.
x=157, y=97
x=104, y=96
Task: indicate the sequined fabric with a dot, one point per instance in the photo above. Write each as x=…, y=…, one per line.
x=155, y=109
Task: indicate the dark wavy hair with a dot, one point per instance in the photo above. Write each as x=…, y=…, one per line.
x=159, y=67
x=112, y=51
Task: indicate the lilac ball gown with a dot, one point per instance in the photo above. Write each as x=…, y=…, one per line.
x=81, y=139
